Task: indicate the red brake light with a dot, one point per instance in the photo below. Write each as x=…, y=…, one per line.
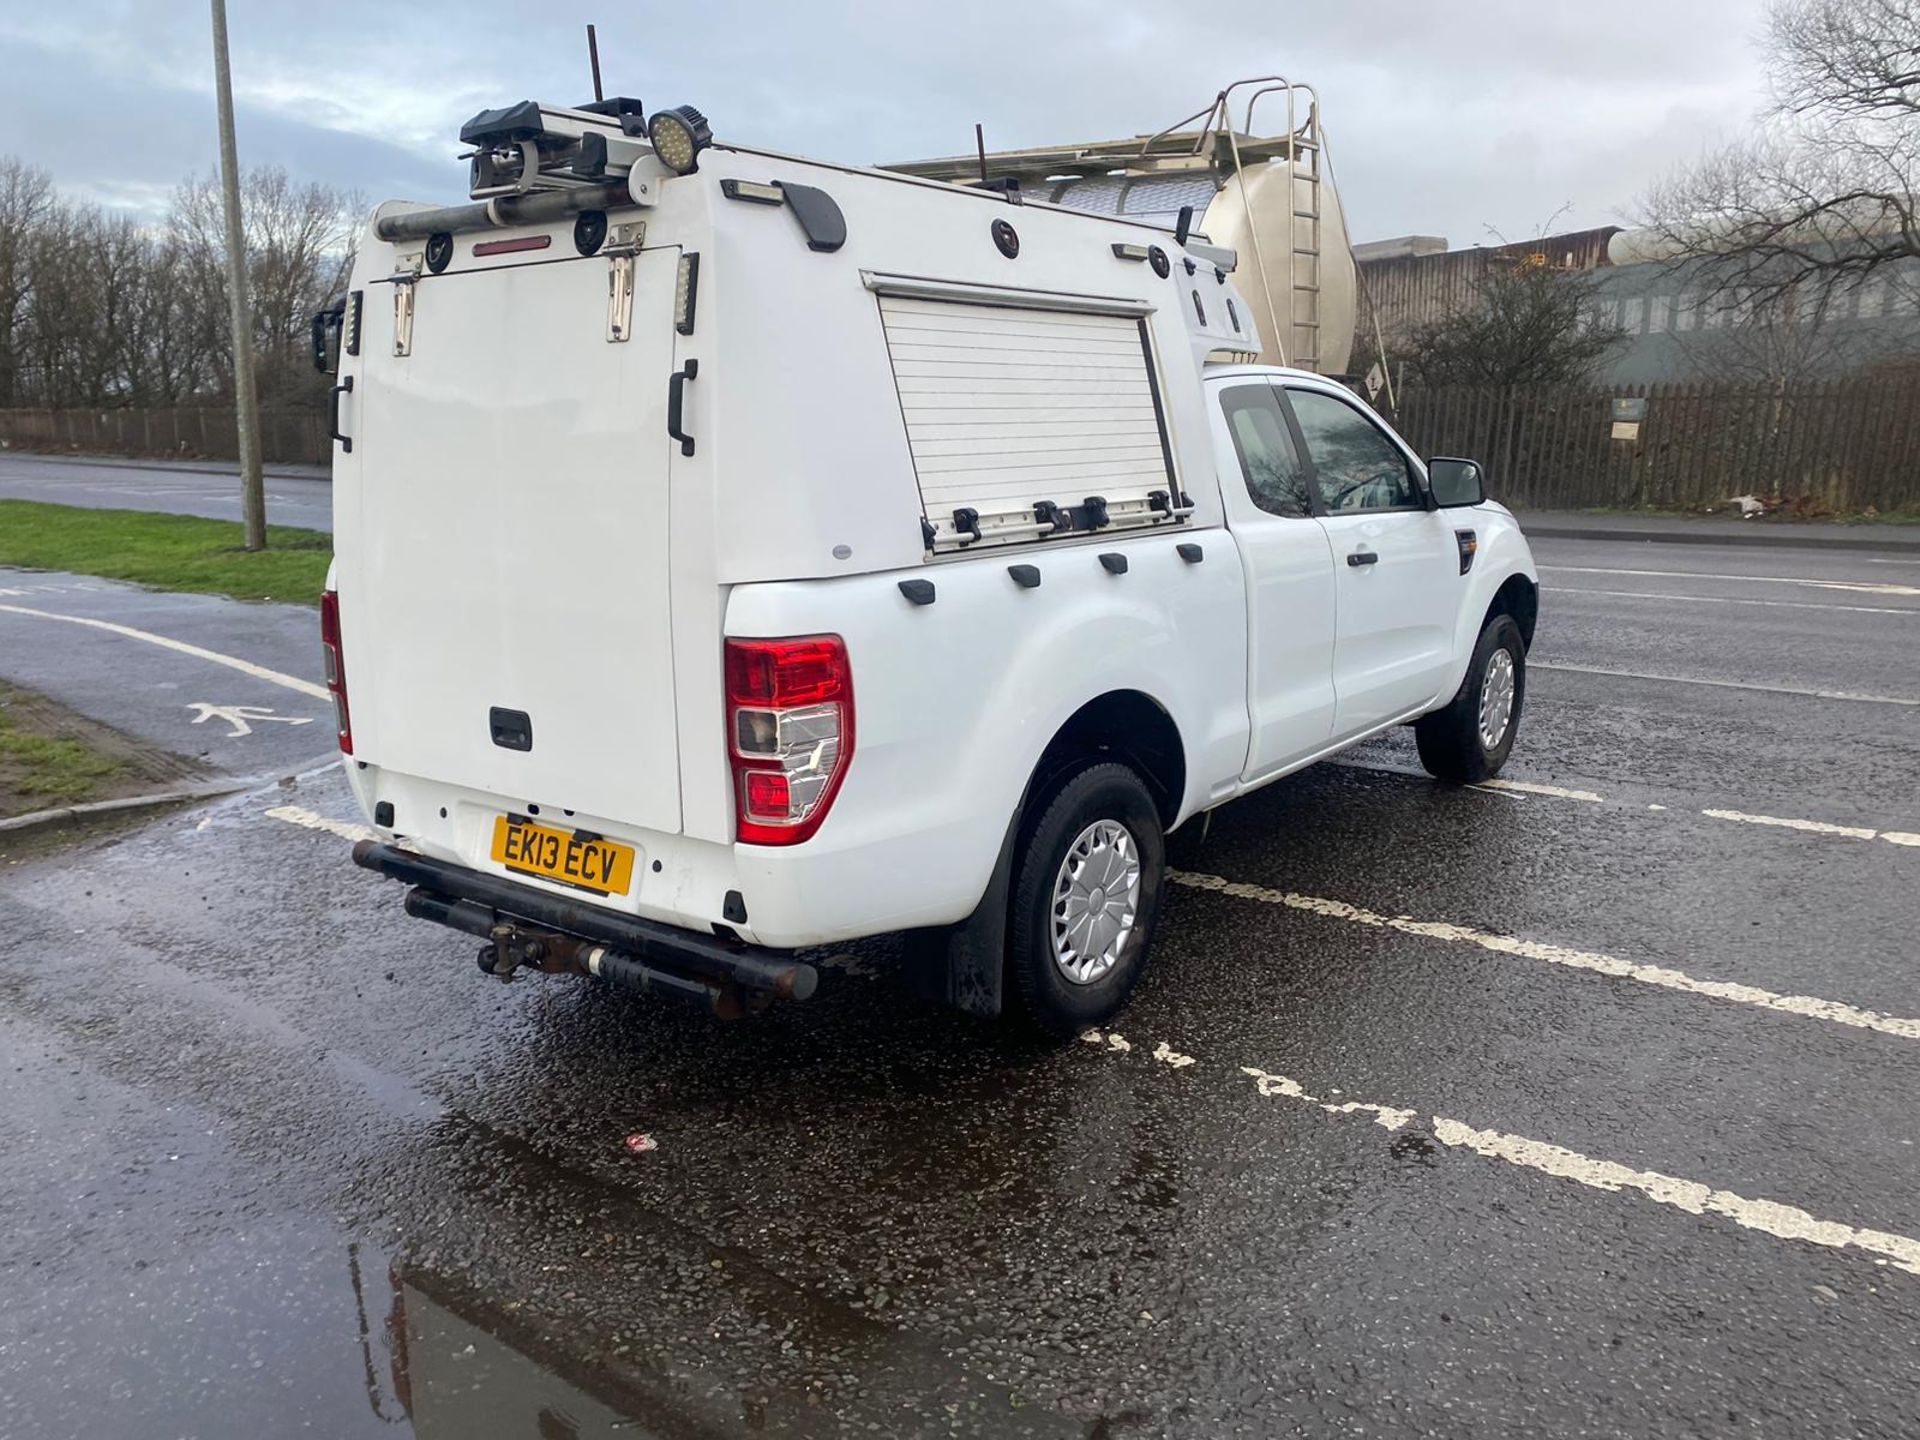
x=782, y=673
x=336, y=666
x=790, y=733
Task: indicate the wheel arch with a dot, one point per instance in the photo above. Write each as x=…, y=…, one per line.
x=1129, y=726
x=1518, y=597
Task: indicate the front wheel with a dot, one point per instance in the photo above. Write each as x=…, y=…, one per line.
x=1470, y=739
x=1086, y=894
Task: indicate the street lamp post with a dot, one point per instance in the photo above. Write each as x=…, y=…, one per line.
x=245, y=402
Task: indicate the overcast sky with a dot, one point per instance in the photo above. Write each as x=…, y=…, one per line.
x=1448, y=117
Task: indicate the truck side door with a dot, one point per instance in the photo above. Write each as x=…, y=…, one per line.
x=1396, y=563
x=1290, y=575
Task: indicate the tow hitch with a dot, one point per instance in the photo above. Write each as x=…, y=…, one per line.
x=530, y=930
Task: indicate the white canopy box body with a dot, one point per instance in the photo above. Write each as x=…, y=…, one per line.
x=518, y=532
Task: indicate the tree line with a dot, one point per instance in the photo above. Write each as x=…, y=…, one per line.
x=101, y=309
x=1766, y=240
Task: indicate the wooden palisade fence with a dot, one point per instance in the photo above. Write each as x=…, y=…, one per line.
x=288, y=436
x=1842, y=445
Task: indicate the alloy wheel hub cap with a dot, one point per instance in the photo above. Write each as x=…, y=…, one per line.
x=1496, y=699
x=1096, y=902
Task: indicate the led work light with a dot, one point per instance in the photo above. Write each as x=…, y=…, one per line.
x=678, y=136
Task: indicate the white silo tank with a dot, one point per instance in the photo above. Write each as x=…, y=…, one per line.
x=1273, y=202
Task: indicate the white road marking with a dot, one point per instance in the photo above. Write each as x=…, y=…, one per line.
x=232, y=662
x=1384, y=1116
x=1865, y=587
x=1515, y=789
x=1730, y=600
x=1765, y=1217
x=1527, y=787
x=1769, y=1217
x=1818, y=827
x=310, y=820
x=1807, y=1007
x=1169, y=1056
x=1722, y=684
x=240, y=717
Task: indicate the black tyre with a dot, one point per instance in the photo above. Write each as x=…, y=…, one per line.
x=1470, y=739
x=1086, y=893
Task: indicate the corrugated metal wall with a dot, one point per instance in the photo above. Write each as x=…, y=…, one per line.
x=1409, y=290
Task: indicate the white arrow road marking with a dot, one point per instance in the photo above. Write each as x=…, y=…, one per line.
x=232, y=662
x=240, y=716
x=1807, y=1007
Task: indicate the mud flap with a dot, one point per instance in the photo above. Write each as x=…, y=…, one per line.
x=965, y=965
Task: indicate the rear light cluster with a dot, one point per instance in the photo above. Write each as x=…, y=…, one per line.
x=336, y=668
x=790, y=733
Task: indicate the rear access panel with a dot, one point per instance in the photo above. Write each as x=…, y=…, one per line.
x=505, y=600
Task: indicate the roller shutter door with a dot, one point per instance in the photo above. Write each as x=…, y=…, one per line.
x=1006, y=407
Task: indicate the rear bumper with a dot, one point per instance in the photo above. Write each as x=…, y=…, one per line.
x=481, y=904
x=874, y=869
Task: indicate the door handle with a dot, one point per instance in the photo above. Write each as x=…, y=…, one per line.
x=1363, y=557
x=345, y=387
x=676, y=400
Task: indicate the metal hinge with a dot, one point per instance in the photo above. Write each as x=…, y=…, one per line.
x=623, y=245
x=404, y=280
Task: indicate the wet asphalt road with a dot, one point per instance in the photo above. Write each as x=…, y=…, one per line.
x=297, y=495
x=280, y=1162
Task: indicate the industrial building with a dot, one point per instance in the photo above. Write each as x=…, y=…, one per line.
x=1673, y=327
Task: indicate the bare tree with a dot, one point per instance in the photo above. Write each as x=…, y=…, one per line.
x=1529, y=324
x=25, y=195
x=298, y=240
x=1824, y=194
x=100, y=309
x=1776, y=342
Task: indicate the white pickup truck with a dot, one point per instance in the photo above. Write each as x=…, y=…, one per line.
x=737, y=554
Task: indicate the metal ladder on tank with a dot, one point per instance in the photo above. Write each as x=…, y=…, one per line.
x=1303, y=261
x=1303, y=278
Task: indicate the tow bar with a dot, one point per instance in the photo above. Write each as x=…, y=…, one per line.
x=528, y=929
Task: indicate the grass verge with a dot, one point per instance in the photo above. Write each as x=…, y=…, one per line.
x=169, y=552
x=40, y=771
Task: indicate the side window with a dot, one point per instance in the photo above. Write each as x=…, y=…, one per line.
x=1276, y=480
x=1357, y=466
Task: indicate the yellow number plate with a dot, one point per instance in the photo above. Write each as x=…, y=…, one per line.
x=602, y=866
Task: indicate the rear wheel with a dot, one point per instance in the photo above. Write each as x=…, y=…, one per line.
x=1086, y=894
x=1470, y=739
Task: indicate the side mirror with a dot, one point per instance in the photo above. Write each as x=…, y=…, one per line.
x=1455, y=482
x=327, y=325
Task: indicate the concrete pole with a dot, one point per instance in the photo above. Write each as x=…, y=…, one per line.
x=246, y=404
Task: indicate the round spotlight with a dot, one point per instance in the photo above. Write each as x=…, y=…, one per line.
x=678, y=136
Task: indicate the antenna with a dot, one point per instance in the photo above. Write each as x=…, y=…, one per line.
x=593, y=59
x=980, y=146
